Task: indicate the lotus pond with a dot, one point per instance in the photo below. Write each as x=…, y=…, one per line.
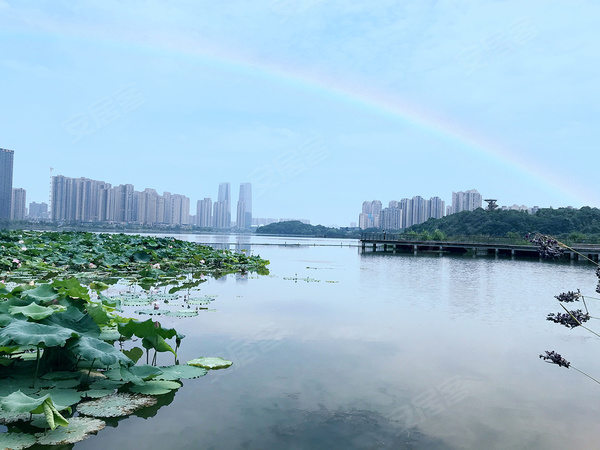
x=335, y=348
x=69, y=358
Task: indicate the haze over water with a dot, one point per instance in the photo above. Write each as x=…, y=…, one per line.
x=384, y=351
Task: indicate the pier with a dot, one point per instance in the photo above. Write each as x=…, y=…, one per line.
x=402, y=243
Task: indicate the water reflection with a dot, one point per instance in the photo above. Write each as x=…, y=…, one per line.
x=403, y=352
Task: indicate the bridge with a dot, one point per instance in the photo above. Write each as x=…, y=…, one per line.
x=484, y=245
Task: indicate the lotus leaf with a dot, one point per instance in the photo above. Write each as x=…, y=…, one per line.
x=145, y=329
x=35, y=311
x=62, y=398
x=141, y=256
x=16, y=441
x=61, y=375
x=74, y=319
x=17, y=402
x=91, y=348
x=29, y=333
x=153, y=387
x=109, y=334
x=98, y=393
x=210, y=362
x=180, y=371
x=115, y=405
x=72, y=288
x=158, y=344
x=134, y=354
x=44, y=293
x=79, y=428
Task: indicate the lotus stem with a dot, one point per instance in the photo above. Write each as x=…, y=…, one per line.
x=582, y=372
x=580, y=324
x=37, y=365
x=584, y=304
x=91, y=367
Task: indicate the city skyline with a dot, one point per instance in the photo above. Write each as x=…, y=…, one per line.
x=318, y=104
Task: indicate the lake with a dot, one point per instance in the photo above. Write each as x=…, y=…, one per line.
x=342, y=349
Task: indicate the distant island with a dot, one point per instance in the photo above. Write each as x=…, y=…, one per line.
x=575, y=225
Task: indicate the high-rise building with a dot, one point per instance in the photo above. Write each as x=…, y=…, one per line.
x=466, y=201
x=244, y=207
x=18, y=209
x=369, y=217
x=222, y=207
x=6, y=179
x=38, y=210
x=204, y=213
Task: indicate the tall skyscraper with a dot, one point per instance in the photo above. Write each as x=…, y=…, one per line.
x=6, y=178
x=466, y=201
x=222, y=207
x=204, y=213
x=38, y=210
x=244, y=207
x=18, y=210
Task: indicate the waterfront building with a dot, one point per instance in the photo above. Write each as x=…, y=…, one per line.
x=6, y=179
x=244, y=207
x=18, y=204
x=466, y=201
x=222, y=207
x=204, y=213
x=38, y=210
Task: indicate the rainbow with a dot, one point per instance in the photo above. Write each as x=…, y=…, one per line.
x=356, y=96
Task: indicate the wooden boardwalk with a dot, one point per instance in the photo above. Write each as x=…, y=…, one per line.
x=482, y=246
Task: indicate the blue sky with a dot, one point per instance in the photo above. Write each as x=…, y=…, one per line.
x=321, y=104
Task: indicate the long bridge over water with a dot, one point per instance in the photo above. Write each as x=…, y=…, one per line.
x=480, y=246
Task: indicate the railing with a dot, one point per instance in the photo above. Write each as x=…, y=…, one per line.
x=486, y=240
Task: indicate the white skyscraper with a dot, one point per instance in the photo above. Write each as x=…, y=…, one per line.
x=244, y=207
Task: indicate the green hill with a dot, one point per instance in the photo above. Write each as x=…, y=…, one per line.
x=297, y=228
x=562, y=222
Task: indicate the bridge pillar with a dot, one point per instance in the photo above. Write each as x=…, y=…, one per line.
x=363, y=245
x=512, y=253
x=374, y=247
x=385, y=247
x=415, y=249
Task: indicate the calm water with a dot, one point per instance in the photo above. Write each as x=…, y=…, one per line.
x=384, y=351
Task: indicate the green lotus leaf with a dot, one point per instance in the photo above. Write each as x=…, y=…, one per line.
x=17, y=402
x=97, y=393
x=109, y=334
x=98, y=313
x=135, y=302
x=115, y=405
x=141, y=256
x=74, y=319
x=72, y=288
x=7, y=417
x=4, y=361
x=61, y=375
x=16, y=441
x=98, y=286
x=105, y=384
x=43, y=293
x=153, y=387
x=180, y=371
x=145, y=329
x=210, y=362
x=78, y=429
x=157, y=343
x=62, y=398
x=134, y=354
x=182, y=313
x=35, y=311
x=30, y=333
x=90, y=348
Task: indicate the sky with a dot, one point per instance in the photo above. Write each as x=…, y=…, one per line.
x=320, y=104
